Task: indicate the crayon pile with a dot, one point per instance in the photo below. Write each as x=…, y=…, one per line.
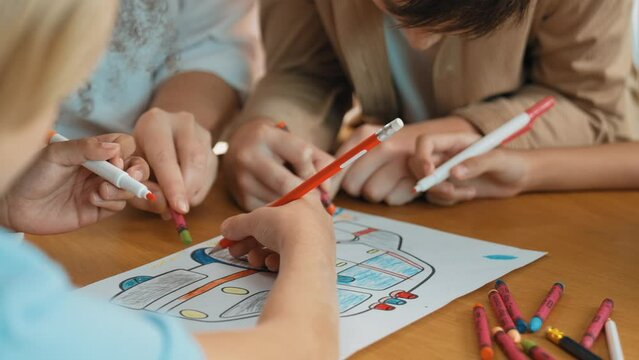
x=512, y=325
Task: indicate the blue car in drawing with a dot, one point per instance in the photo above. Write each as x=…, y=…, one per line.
x=373, y=274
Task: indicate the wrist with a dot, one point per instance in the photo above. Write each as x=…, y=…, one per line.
x=311, y=250
x=534, y=172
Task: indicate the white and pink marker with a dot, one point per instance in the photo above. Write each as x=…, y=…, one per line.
x=502, y=135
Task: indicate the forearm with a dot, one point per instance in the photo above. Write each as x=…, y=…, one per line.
x=209, y=98
x=288, y=318
x=613, y=166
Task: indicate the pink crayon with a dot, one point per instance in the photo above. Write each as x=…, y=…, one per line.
x=507, y=345
x=546, y=306
x=499, y=308
x=597, y=323
x=511, y=306
x=483, y=332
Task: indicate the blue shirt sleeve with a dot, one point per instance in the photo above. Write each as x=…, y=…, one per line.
x=42, y=318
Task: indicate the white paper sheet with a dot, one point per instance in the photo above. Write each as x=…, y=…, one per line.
x=390, y=274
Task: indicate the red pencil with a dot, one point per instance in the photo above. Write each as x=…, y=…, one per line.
x=333, y=168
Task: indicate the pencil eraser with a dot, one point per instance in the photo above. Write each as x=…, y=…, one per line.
x=535, y=324
x=521, y=325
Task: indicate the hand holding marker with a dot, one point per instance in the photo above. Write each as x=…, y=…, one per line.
x=502, y=135
x=111, y=173
x=331, y=169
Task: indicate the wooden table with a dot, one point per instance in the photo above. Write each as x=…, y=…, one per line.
x=592, y=239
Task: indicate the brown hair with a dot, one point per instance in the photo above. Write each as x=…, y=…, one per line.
x=465, y=17
x=46, y=49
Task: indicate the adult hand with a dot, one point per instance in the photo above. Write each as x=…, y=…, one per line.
x=178, y=150
x=264, y=162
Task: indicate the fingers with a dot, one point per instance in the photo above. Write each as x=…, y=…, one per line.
x=295, y=151
x=257, y=254
x=138, y=168
x=111, y=206
x=432, y=150
x=362, y=169
x=196, y=160
x=126, y=142
x=77, y=152
x=243, y=246
x=159, y=206
x=156, y=141
x=447, y=194
x=322, y=159
x=272, y=174
x=255, y=193
x=243, y=226
x=384, y=180
x=272, y=261
x=402, y=193
x=476, y=166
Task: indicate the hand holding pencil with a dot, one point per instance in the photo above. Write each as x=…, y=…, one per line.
x=331, y=169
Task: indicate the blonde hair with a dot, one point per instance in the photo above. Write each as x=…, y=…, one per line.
x=47, y=47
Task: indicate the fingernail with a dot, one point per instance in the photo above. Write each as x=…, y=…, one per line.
x=137, y=175
x=183, y=206
x=166, y=216
x=96, y=198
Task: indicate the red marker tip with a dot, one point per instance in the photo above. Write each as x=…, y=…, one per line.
x=150, y=197
x=50, y=134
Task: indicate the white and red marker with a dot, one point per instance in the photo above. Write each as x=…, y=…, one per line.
x=111, y=173
x=502, y=135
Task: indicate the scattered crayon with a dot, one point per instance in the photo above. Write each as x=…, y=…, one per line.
x=614, y=344
x=546, y=306
x=511, y=306
x=502, y=315
x=534, y=351
x=483, y=332
x=507, y=345
x=569, y=345
x=597, y=323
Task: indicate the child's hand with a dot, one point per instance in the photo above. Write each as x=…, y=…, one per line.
x=383, y=175
x=180, y=154
x=56, y=194
x=296, y=230
x=496, y=174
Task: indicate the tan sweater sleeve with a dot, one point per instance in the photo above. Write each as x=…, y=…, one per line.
x=304, y=84
x=580, y=53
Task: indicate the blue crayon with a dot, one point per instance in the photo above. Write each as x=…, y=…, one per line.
x=511, y=306
x=546, y=306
